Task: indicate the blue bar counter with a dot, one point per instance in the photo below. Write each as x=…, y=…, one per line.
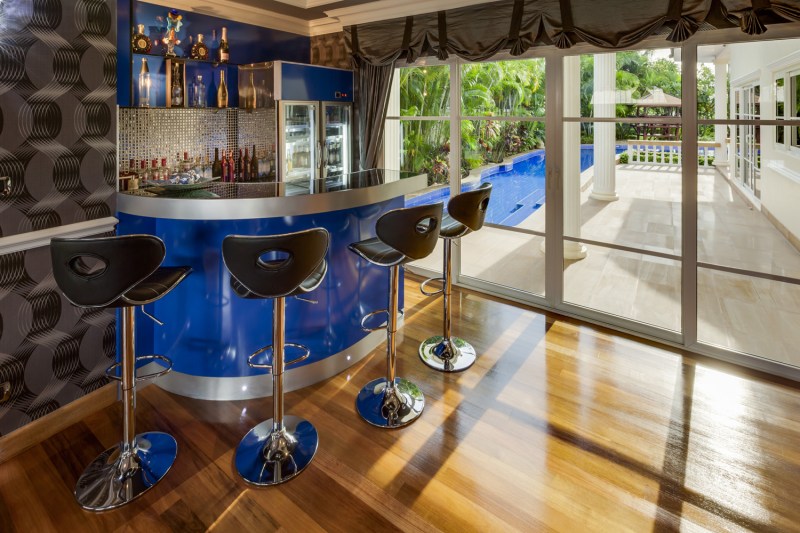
x=208, y=331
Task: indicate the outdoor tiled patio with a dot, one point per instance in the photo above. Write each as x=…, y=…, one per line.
x=752, y=315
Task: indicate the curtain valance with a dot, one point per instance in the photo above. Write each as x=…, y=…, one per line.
x=478, y=32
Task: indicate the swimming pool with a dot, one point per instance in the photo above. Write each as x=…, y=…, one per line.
x=518, y=188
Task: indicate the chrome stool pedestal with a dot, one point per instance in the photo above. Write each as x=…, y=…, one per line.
x=120, y=272
x=390, y=402
x=445, y=352
x=403, y=235
x=466, y=213
x=276, y=267
x=132, y=467
x=277, y=449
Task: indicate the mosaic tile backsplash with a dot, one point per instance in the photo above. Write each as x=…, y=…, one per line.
x=158, y=133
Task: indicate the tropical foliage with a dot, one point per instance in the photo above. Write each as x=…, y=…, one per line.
x=516, y=89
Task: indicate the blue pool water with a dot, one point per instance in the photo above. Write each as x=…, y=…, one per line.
x=518, y=188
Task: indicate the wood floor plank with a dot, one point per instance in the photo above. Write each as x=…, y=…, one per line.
x=559, y=426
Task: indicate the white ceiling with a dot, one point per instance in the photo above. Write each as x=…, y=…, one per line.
x=334, y=19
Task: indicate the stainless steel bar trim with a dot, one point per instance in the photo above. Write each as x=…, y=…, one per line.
x=750, y=273
x=623, y=248
x=250, y=387
x=281, y=206
x=128, y=384
x=278, y=363
x=37, y=239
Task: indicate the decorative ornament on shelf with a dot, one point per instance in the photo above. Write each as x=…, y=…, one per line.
x=174, y=23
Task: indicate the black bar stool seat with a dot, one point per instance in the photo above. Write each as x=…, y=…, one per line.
x=276, y=267
x=120, y=272
x=403, y=235
x=466, y=213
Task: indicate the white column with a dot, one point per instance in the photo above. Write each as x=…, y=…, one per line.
x=720, y=112
x=604, y=186
x=572, y=158
x=391, y=136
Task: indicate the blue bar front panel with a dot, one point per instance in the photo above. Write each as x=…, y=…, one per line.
x=209, y=331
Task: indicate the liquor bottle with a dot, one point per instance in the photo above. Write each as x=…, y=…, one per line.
x=141, y=43
x=254, y=165
x=224, y=166
x=231, y=167
x=224, y=51
x=199, y=49
x=213, y=44
x=222, y=91
x=250, y=95
x=207, y=169
x=177, y=86
x=154, y=173
x=187, y=50
x=199, y=98
x=216, y=168
x=186, y=163
x=240, y=167
x=245, y=165
x=144, y=84
x=163, y=171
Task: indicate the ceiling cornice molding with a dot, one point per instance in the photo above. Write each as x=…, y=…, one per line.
x=308, y=4
x=227, y=9
x=335, y=21
x=391, y=9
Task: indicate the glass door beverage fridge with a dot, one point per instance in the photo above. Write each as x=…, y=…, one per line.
x=335, y=130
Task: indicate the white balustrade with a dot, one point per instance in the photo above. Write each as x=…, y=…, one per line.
x=667, y=153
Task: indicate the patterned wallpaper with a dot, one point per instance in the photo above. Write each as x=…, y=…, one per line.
x=57, y=143
x=57, y=112
x=50, y=351
x=330, y=50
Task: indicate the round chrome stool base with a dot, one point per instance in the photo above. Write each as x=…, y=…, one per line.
x=397, y=407
x=454, y=355
x=265, y=458
x=115, y=477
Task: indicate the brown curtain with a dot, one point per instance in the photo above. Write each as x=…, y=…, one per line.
x=478, y=32
x=372, y=83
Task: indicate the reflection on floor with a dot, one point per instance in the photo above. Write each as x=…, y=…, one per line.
x=745, y=314
x=558, y=427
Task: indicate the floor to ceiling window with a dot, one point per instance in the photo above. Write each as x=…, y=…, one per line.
x=643, y=162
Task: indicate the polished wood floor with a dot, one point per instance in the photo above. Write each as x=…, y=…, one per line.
x=558, y=427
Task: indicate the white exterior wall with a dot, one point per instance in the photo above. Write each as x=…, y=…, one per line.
x=763, y=63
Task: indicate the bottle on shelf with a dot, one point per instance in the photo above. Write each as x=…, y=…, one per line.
x=186, y=163
x=164, y=171
x=254, y=166
x=154, y=173
x=144, y=84
x=141, y=43
x=213, y=44
x=250, y=95
x=222, y=91
x=177, y=86
x=207, y=168
x=187, y=50
x=199, y=49
x=244, y=165
x=231, y=167
x=224, y=165
x=224, y=51
x=199, y=98
x=216, y=167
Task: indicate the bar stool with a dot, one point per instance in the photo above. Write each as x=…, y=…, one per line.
x=124, y=272
x=403, y=235
x=466, y=212
x=276, y=267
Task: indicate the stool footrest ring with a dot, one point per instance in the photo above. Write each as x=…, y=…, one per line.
x=111, y=372
x=372, y=314
x=306, y=352
x=431, y=293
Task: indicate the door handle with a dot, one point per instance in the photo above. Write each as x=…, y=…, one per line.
x=319, y=154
